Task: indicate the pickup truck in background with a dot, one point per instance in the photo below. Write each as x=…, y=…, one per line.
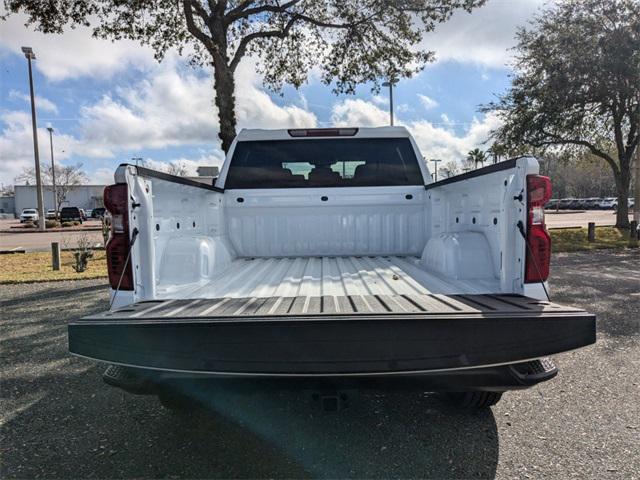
x=327, y=259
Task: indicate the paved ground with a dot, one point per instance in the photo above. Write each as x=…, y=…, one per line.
x=581, y=219
x=42, y=241
x=60, y=421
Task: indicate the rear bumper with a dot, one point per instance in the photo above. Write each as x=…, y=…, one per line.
x=328, y=345
x=497, y=378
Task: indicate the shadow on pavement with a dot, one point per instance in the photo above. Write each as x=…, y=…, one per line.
x=60, y=421
x=79, y=427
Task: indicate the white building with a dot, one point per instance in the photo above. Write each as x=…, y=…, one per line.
x=82, y=196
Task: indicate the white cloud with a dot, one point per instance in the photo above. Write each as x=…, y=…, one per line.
x=438, y=142
x=427, y=102
x=41, y=102
x=435, y=140
x=483, y=37
x=359, y=113
x=172, y=106
x=102, y=176
x=74, y=53
x=16, y=145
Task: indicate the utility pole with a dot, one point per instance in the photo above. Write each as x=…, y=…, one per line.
x=636, y=206
x=390, y=84
x=435, y=167
x=53, y=172
x=28, y=53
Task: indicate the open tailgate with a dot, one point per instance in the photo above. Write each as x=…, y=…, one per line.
x=358, y=334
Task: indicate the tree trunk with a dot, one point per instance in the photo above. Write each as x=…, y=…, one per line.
x=622, y=188
x=224, y=85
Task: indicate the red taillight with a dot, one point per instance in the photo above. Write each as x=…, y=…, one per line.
x=116, y=201
x=323, y=132
x=538, y=239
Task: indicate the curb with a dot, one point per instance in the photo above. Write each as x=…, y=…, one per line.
x=53, y=230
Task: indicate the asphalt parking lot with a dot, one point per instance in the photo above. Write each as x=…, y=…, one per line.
x=58, y=420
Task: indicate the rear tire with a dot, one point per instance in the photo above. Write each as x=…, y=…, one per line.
x=473, y=400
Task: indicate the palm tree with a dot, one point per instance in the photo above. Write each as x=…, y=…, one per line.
x=476, y=156
x=497, y=151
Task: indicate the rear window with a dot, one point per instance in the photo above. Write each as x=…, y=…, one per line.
x=71, y=210
x=362, y=162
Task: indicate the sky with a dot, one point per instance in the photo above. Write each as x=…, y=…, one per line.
x=109, y=102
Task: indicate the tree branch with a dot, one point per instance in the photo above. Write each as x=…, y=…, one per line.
x=193, y=28
x=235, y=11
x=244, y=43
x=592, y=148
x=242, y=12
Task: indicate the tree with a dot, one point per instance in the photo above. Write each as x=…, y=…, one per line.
x=476, y=156
x=449, y=169
x=350, y=41
x=67, y=177
x=497, y=151
x=6, y=190
x=577, y=86
x=177, y=168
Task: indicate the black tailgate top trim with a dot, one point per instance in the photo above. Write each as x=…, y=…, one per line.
x=496, y=167
x=173, y=178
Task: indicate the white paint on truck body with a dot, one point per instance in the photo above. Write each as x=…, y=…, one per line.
x=458, y=237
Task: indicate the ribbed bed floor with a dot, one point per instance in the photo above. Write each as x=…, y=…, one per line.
x=327, y=276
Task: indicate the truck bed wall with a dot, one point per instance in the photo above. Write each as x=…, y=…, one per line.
x=326, y=221
x=461, y=229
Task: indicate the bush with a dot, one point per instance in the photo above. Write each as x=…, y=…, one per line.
x=51, y=223
x=67, y=224
x=76, y=222
x=82, y=254
x=30, y=225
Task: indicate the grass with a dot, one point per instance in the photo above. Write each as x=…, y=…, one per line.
x=575, y=239
x=36, y=267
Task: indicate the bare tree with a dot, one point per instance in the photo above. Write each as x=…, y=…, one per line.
x=177, y=168
x=449, y=169
x=67, y=177
x=6, y=190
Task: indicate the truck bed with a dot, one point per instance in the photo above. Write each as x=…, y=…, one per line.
x=327, y=276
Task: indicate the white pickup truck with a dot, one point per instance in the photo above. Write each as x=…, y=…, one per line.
x=328, y=257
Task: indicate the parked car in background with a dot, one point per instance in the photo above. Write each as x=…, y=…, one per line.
x=51, y=214
x=552, y=204
x=70, y=214
x=98, y=212
x=88, y=213
x=564, y=204
x=592, y=203
x=29, y=215
x=607, y=203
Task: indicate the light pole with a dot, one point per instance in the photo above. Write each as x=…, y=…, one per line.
x=390, y=84
x=28, y=53
x=435, y=167
x=53, y=172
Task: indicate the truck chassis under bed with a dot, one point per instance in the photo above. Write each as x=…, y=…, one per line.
x=355, y=335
